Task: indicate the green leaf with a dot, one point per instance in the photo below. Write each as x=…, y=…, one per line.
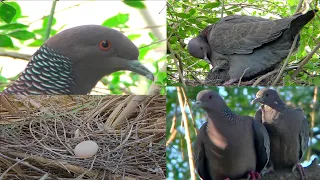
x=5, y=41
x=36, y=43
x=46, y=21
x=7, y=12
x=143, y=51
x=183, y=15
x=212, y=5
x=118, y=21
x=152, y=36
x=135, y=4
x=3, y=79
x=17, y=7
x=162, y=77
x=293, y=2
x=12, y=26
x=22, y=35
x=134, y=36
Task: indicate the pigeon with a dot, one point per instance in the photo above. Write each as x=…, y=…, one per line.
x=288, y=130
x=251, y=44
x=74, y=60
x=229, y=146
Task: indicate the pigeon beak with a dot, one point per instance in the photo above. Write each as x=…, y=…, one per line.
x=197, y=104
x=258, y=99
x=215, y=68
x=206, y=59
x=137, y=67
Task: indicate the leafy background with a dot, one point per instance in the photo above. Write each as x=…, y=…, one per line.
x=187, y=18
x=16, y=35
x=238, y=99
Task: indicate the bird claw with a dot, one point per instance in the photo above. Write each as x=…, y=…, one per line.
x=301, y=172
x=253, y=175
x=230, y=81
x=267, y=170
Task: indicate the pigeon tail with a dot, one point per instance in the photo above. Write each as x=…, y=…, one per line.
x=300, y=21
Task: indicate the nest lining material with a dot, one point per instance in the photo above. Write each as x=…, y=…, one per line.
x=38, y=135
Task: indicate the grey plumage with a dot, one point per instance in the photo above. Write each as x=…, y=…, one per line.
x=287, y=127
x=74, y=60
x=247, y=41
x=228, y=145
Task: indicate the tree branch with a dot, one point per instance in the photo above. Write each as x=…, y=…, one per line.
x=15, y=55
x=306, y=60
x=312, y=173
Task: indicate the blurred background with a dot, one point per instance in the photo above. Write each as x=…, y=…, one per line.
x=180, y=102
x=143, y=22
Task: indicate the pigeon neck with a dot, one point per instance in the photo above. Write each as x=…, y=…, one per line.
x=226, y=114
x=229, y=115
x=278, y=105
x=47, y=73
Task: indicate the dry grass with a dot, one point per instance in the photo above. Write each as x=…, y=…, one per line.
x=38, y=135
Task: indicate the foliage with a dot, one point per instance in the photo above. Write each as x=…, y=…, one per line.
x=187, y=18
x=238, y=99
x=11, y=26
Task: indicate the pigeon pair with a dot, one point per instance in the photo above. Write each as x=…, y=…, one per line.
x=247, y=46
x=74, y=60
x=229, y=146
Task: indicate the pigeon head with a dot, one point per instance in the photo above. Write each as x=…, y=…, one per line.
x=210, y=101
x=198, y=47
x=268, y=97
x=98, y=50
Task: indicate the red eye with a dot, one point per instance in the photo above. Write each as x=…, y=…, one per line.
x=105, y=45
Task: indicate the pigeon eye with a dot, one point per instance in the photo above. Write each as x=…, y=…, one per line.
x=210, y=97
x=105, y=45
x=201, y=48
x=267, y=95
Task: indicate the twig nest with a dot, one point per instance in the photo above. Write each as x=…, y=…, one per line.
x=86, y=149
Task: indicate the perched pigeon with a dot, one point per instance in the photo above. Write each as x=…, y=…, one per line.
x=250, y=44
x=74, y=60
x=228, y=145
x=288, y=130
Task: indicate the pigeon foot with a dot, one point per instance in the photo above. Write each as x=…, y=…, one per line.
x=301, y=172
x=230, y=81
x=267, y=170
x=253, y=175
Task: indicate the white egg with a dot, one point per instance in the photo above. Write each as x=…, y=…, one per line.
x=86, y=149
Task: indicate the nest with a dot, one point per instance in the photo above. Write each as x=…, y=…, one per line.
x=38, y=135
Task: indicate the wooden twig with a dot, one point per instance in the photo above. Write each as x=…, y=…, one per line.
x=286, y=61
x=182, y=103
x=306, y=60
x=242, y=76
x=15, y=55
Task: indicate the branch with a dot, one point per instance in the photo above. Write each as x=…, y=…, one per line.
x=176, y=62
x=312, y=173
x=286, y=62
x=48, y=29
x=182, y=103
x=306, y=60
x=16, y=55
